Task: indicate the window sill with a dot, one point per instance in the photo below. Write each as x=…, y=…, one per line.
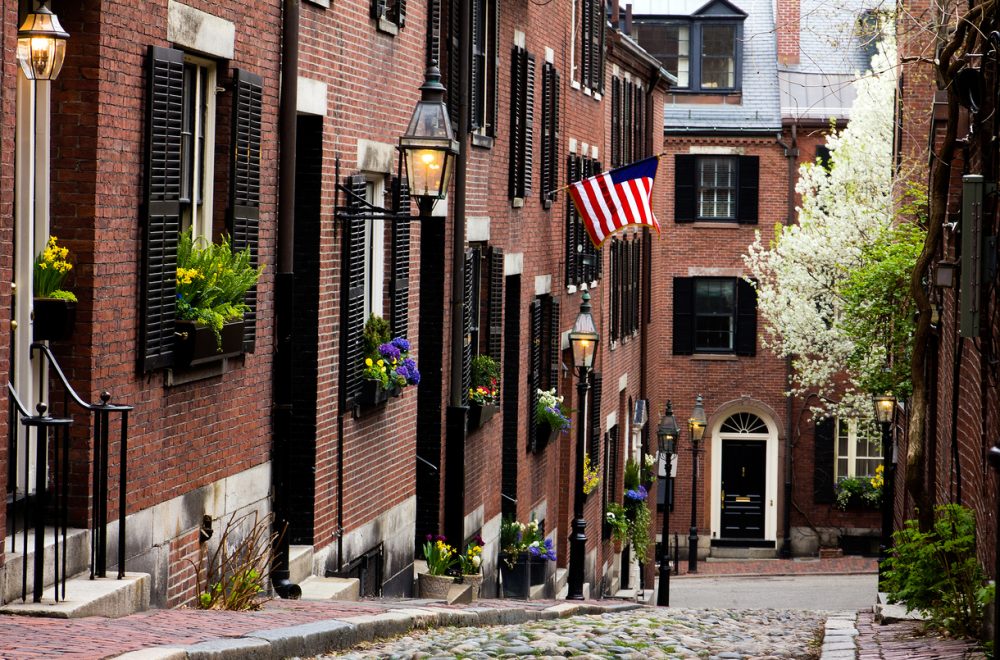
x=517, y=202
x=325, y=4
x=183, y=376
x=716, y=357
x=716, y=224
x=481, y=140
x=387, y=26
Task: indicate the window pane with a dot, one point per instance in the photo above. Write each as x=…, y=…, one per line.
x=671, y=44
x=715, y=302
x=841, y=467
x=717, y=188
x=718, y=56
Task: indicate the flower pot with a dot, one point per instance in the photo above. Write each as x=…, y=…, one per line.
x=538, y=568
x=53, y=319
x=546, y=433
x=474, y=581
x=515, y=576
x=434, y=586
x=480, y=413
x=372, y=393
x=196, y=344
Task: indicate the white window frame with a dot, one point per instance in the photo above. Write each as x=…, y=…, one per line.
x=197, y=214
x=852, y=450
x=374, y=248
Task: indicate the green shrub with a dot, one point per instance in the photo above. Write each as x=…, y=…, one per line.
x=937, y=571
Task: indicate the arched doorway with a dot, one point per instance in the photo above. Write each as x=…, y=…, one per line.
x=745, y=480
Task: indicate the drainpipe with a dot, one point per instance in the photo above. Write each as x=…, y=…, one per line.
x=791, y=154
x=284, y=309
x=455, y=418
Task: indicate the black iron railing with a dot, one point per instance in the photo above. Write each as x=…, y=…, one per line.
x=52, y=476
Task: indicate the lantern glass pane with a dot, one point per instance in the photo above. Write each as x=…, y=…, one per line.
x=425, y=168
x=429, y=120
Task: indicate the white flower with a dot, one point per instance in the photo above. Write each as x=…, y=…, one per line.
x=476, y=561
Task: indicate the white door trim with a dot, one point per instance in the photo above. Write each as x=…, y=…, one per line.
x=771, y=467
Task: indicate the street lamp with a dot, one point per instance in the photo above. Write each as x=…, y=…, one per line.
x=41, y=45
x=429, y=146
x=696, y=425
x=583, y=338
x=885, y=406
x=667, y=433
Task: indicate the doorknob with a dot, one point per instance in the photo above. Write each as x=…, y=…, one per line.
x=722, y=499
x=743, y=471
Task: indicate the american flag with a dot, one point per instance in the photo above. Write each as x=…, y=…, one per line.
x=615, y=199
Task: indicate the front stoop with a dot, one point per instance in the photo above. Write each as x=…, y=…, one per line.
x=300, y=563
x=77, y=560
x=107, y=597
x=330, y=588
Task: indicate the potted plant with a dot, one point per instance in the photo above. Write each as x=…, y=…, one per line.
x=861, y=492
x=212, y=282
x=484, y=394
x=514, y=571
x=387, y=366
x=54, y=309
x=636, y=511
x=591, y=476
x=440, y=558
x=551, y=418
x=470, y=566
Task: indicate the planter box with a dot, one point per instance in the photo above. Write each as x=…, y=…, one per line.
x=372, y=393
x=479, y=414
x=53, y=319
x=544, y=434
x=516, y=579
x=434, y=586
x=539, y=569
x=474, y=581
x=196, y=344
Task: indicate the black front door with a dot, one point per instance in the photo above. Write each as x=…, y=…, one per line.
x=743, y=478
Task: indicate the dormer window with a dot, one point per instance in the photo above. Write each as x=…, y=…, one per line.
x=703, y=50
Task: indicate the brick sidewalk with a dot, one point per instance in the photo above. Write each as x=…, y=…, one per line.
x=796, y=566
x=904, y=640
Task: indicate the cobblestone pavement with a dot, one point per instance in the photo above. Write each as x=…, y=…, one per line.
x=643, y=633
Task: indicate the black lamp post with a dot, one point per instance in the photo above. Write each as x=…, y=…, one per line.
x=696, y=425
x=583, y=338
x=885, y=406
x=429, y=146
x=667, y=433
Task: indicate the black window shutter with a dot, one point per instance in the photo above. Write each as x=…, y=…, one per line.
x=494, y=48
x=399, y=13
x=400, y=257
x=598, y=52
x=683, y=315
x=685, y=188
x=434, y=31
x=517, y=77
x=353, y=280
x=572, y=225
x=748, y=181
x=636, y=280
x=616, y=122
x=612, y=467
x=534, y=369
x=627, y=288
x=164, y=110
x=454, y=56
x=477, y=69
x=495, y=312
x=468, y=305
x=626, y=122
x=596, y=387
x=746, y=318
x=555, y=337
x=550, y=131
x=614, y=289
x=823, y=491
x=529, y=124
x=586, y=30
x=244, y=182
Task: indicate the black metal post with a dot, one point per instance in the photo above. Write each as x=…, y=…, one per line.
x=888, y=495
x=693, y=533
x=578, y=534
x=663, y=588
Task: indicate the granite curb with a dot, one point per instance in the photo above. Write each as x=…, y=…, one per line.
x=320, y=637
x=839, y=637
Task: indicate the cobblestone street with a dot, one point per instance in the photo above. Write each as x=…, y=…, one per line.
x=644, y=633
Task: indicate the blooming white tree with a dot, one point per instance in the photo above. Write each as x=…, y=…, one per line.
x=801, y=270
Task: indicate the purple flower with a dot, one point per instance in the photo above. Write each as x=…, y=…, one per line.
x=389, y=352
x=639, y=494
x=401, y=344
x=430, y=537
x=412, y=374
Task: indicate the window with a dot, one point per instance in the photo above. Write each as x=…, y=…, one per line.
x=704, y=53
x=714, y=315
x=522, y=124
x=592, y=20
x=374, y=247
x=483, y=73
x=583, y=262
x=198, y=146
x=180, y=178
x=858, y=450
x=550, y=133
x=716, y=188
x=389, y=15
x=543, y=358
x=628, y=122
x=483, y=306
x=625, y=261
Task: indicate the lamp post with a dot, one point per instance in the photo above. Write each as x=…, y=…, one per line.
x=696, y=425
x=429, y=146
x=885, y=406
x=41, y=44
x=667, y=433
x=583, y=338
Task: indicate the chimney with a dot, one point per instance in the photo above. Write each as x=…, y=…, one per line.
x=615, y=14
x=788, y=31
x=628, y=18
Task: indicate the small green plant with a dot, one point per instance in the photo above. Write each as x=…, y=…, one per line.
x=471, y=560
x=591, y=476
x=376, y=332
x=212, y=282
x=550, y=410
x=616, y=519
x=485, y=386
x=235, y=575
x=440, y=556
x=636, y=510
x=860, y=490
x=50, y=271
x=937, y=571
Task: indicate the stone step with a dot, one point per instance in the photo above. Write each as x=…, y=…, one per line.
x=107, y=597
x=300, y=563
x=330, y=588
x=724, y=553
x=77, y=560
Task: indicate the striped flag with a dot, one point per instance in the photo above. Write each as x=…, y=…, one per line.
x=613, y=200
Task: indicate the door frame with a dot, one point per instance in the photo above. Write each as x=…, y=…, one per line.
x=771, y=466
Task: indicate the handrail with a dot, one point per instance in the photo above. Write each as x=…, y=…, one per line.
x=426, y=462
x=12, y=393
x=105, y=396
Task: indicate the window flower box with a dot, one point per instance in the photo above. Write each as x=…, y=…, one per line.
x=373, y=393
x=480, y=413
x=54, y=319
x=196, y=344
x=546, y=433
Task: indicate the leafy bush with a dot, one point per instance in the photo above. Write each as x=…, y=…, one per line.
x=937, y=571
